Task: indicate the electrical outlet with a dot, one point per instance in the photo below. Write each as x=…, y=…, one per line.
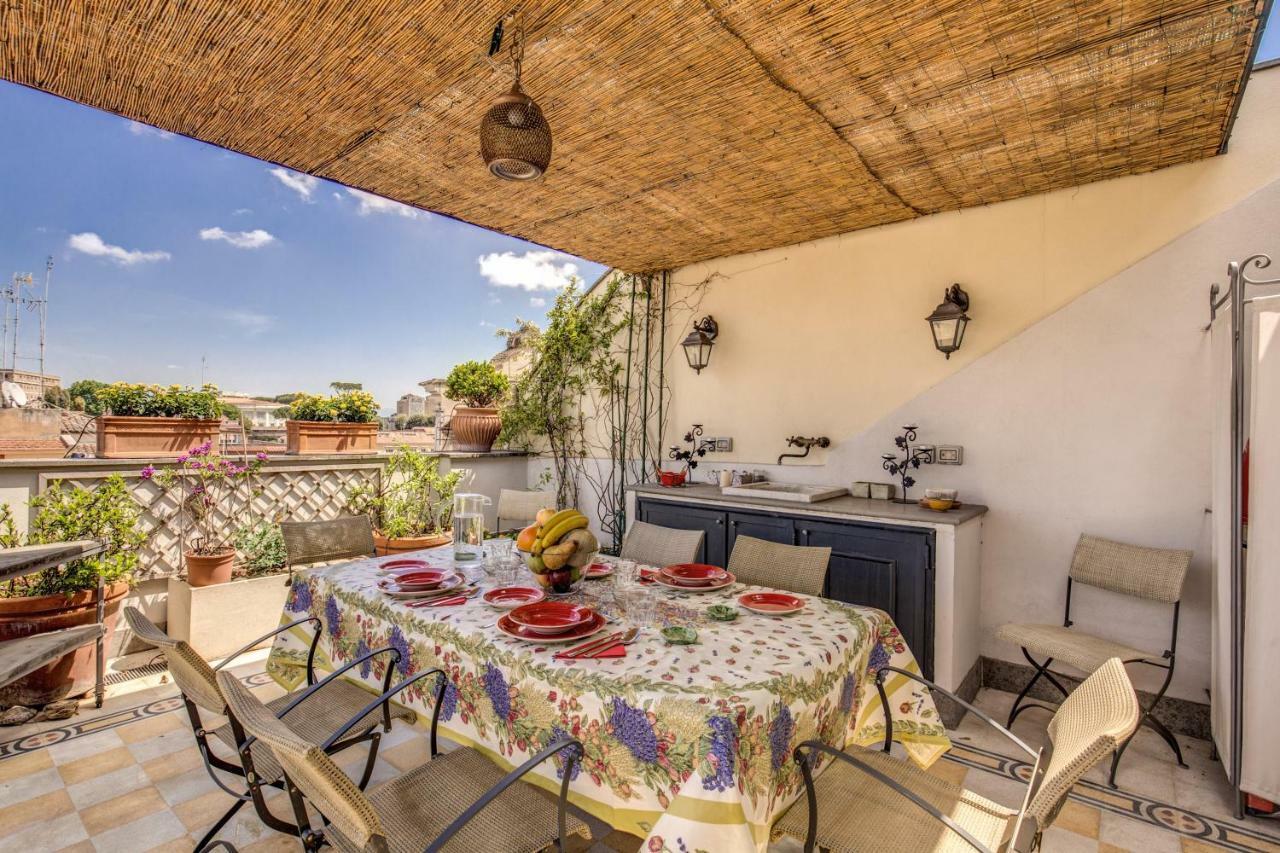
x=950, y=454
x=931, y=455
x=724, y=445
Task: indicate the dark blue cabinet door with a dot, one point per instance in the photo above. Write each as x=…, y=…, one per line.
x=685, y=517
x=888, y=568
x=771, y=528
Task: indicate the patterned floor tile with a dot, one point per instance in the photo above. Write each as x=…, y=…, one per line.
x=98, y=764
x=120, y=810
x=141, y=834
x=54, y=834
x=46, y=806
x=109, y=785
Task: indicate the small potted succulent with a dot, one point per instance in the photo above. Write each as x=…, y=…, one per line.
x=67, y=596
x=412, y=505
x=347, y=422
x=213, y=495
x=153, y=421
x=480, y=387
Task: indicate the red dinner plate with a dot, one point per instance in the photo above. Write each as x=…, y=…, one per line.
x=419, y=580
x=772, y=603
x=694, y=574
x=507, y=597
x=391, y=588
x=551, y=617
x=586, y=629
x=402, y=565
x=599, y=570
x=663, y=580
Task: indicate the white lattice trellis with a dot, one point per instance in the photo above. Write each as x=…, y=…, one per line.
x=284, y=494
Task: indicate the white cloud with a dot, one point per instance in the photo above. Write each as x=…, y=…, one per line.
x=174, y=366
x=242, y=211
x=250, y=321
x=370, y=203
x=302, y=184
x=534, y=270
x=92, y=244
x=338, y=196
x=537, y=302
x=255, y=239
x=137, y=128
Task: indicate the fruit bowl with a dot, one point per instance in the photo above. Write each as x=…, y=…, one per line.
x=557, y=548
x=561, y=581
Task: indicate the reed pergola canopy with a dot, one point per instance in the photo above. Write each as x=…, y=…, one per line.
x=684, y=130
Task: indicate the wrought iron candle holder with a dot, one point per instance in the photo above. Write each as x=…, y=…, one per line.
x=910, y=461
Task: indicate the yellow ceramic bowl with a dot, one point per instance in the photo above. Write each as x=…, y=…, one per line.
x=940, y=504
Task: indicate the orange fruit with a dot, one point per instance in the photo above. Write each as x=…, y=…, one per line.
x=527, y=537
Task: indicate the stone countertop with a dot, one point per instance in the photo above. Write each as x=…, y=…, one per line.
x=842, y=507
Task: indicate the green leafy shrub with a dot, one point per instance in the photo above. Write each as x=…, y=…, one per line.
x=156, y=401
x=412, y=498
x=349, y=407
x=260, y=546
x=476, y=383
x=107, y=513
x=84, y=395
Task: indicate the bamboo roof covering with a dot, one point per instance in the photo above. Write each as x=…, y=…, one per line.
x=684, y=129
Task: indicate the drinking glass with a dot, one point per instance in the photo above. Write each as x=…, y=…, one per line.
x=497, y=553
x=625, y=573
x=640, y=607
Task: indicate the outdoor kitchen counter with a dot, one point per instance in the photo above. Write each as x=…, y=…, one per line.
x=860, y=509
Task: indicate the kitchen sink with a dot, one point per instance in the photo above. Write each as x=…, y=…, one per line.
x=794, y=492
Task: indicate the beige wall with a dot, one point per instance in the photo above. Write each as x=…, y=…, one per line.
x=1080, y=396
x=825, y=337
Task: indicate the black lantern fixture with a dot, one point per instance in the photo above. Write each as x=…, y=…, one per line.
x=697, y=346
x=515, y=139
x=949, y=319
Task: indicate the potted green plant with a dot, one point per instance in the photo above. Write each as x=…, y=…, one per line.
x=347, y=422
x=67, y=596
x=475, y=425
x=412, y=505
x=213, y=495
x=221, y=618
x=153, y=421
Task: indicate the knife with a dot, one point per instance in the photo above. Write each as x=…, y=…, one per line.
x=590, y=646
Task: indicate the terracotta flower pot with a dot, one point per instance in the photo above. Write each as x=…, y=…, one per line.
x=73, y=673
x=474, y=429
x=330, y=437
x=383, y=545
x=208, y=570
x=149, y=438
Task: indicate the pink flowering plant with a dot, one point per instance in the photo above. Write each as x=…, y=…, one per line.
x=214, y=494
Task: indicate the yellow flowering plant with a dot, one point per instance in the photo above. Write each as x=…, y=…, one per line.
x=352, y=407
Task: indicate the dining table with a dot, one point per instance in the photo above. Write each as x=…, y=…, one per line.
x=688, y=747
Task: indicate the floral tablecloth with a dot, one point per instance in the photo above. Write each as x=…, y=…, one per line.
x=688, y=746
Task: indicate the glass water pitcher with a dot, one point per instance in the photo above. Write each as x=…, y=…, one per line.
x=468, y=526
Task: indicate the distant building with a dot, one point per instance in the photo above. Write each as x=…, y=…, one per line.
x=411, y=404
x=435, y=400
x=258, y=414
x=31, y=381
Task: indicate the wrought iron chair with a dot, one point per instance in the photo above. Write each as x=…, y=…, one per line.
x=342, y=538
x=459, y=799
x=798, y=568
x=200, y=692
x=868, y=800
x=519, y=507
x=654, y=545
x=1154, y=574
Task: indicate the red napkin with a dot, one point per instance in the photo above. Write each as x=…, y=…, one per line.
x=615, y=651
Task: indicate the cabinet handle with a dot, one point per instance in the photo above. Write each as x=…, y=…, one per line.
x=720, y=521
x=804, y=533
x=733, y=524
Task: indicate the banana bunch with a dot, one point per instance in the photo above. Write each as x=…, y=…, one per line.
x=562, y=542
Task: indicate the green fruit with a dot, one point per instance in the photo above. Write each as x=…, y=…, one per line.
x=536, y=565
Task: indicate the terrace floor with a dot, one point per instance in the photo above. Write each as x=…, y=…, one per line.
x=128, y=778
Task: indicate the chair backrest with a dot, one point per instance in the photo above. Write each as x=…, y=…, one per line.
x=321, y=541
x=1092, y=722
x=194, y=677
x=1152, y=573
x=315, y=774
x=798, y=568
x=522, y=507
x=660, y=546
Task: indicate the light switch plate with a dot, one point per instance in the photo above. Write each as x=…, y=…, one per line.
x=950, y=454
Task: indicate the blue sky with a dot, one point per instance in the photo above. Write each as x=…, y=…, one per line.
x=166, y=250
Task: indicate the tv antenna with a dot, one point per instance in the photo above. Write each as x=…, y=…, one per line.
x=15, y=299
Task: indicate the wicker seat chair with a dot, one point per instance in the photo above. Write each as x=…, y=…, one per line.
x=1154, y=574
x=868, y=800
x=342, y=538
x=316, y=719
x=654, y=545
x=520, y=508
x=458, y=800
x=798, y=568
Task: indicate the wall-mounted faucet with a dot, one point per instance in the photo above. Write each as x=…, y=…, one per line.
x=807, y=443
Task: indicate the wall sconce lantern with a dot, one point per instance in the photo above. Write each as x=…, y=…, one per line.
x=697, y=346
x=949, y=319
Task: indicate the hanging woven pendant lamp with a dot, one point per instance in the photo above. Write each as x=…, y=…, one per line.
x=515, y=139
